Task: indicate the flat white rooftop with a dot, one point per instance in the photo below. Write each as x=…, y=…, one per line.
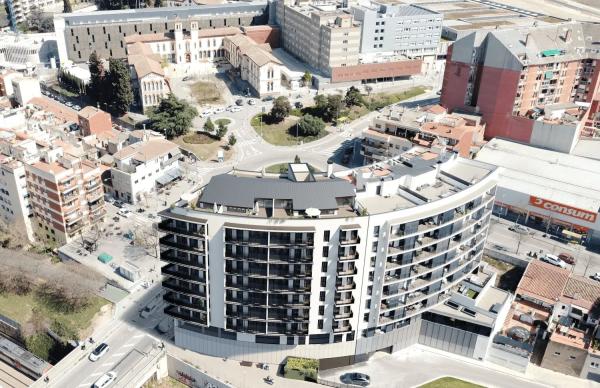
x=564, y=178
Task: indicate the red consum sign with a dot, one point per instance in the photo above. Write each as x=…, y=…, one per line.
x=563, y=209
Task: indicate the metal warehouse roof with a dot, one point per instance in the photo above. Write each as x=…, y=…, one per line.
x=564, y=178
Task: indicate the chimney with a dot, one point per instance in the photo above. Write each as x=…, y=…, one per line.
x=329, y=169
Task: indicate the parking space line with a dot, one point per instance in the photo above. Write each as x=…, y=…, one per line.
x=107, y=364
x=96, y=374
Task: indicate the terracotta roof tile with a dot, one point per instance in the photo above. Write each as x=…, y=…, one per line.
x=581, y=291
x=543, y=281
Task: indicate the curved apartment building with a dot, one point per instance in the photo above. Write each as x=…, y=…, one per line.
x=262, y=267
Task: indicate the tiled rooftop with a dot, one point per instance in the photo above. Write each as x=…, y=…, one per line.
x=543, y=281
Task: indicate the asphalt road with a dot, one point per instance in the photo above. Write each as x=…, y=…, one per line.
x=587, y=263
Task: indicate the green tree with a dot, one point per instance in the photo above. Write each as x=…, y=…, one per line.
x=307, y=78
x=353, y=97
x=280, y=110
x=221, y=130
x=39, y=21
x=67, y=6
x=335, y=104
x=321, y=102
x=173, y=116
x=310, y=125
x=97, y=75
x=209, y=126
x=119, y=83
x=232, y=140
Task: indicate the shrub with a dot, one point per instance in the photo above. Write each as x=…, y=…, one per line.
x=301, y=368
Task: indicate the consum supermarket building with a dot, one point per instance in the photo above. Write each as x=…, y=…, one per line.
x=551, y=191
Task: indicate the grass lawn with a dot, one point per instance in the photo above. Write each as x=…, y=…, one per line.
x=282, y=168
x=22, y=307
x=203, y=146
x=450, y=382
x=282, y=133
x=62, y=91
x=224, y=121
x=206, y=93
x=379, y=100
x=499, y=265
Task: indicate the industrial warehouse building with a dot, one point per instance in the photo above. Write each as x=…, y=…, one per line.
x=551, y=191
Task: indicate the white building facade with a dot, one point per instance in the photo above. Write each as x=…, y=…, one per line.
x=319, y=267
x=139, y=166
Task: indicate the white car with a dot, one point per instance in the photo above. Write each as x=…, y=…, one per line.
x=207, y=113
x=235, y=108
x=124, y=213
x=99, y=352
x=519, y=229
x=219, y=110
x=554, y=260
x=105, y=380
x=251, y=102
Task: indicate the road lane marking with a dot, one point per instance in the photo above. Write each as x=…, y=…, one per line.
x=118, y=354
x=84, y=385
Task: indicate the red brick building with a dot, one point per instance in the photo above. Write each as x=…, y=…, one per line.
x=93, y=120
x=509, y=76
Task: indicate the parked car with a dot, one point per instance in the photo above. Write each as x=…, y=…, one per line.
x=354, y=378
x=268, y=98
x=219, y=110
x=105, y=380
x=519, y=229
x=554, y=260
x=596, y=276
x=234, y=108
x=126, y=213
x=567, y=258
x=207, y=113
x=69, y=104
x=498, y=247
x=239, y=102
x=99, y=351
x=118, y=204
x=251, y=101
x=76, y=107
x=298, y=105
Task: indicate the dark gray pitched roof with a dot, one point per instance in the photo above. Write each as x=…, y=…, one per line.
x=231, y=190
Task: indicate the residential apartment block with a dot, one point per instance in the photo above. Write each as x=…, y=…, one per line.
x=401, y=29
x=511, y=75
x=552, y=303
x=19, y=10
x=325, y=266
x=15, y=208
x=319, y=33
x=396, y=129
x=66, y=195
x=79, y=34
x=139, y=167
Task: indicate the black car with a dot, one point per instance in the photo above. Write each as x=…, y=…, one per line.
x=354, y=378
x=268, y=98
x=118, y=204
x=298, y=105
x=239, y=102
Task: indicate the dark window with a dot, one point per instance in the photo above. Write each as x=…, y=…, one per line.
x=324, y=267
x=323, y=281
x=266, y=339
x=320, y=324
x=322, y=296
x=376, y=231
x=318, y=339
x=366, y=317
x=301, y=340
x=338, y=338
x=350, y=336
x=321, y=310
x=290, y=340
x=326, y=235
x=325, y=251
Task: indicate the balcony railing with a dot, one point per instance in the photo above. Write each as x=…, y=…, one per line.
x=170, y=257
x=346, y=272
x=167, y=226
x=170, y=297
x=192, y=317
x=343, y=315
x=348, y=256
x=193, y=291
x=350, y=240
x=345, y=286
x=192, y=276
x=182, y=246
x=344, y=301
